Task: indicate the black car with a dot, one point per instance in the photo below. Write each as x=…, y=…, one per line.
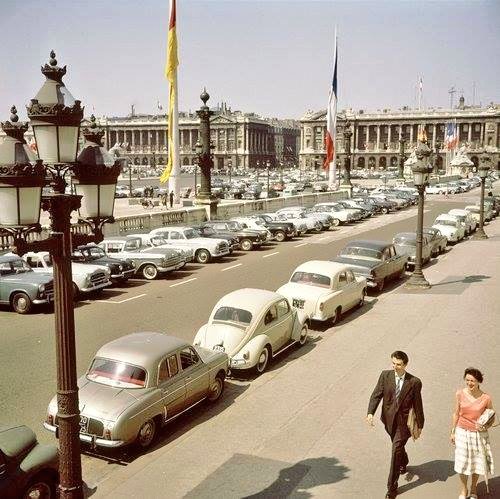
x=121, y=270
x=207, y=231
x=281, y=231
x=27, y=469
x=248, y=238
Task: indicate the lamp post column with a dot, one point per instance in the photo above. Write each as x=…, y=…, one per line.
x=268, y=164
x=483, y=173
x=401, y=157
x=130, y=179
x=347, y=160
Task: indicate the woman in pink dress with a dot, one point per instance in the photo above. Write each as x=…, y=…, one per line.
x=473, y=455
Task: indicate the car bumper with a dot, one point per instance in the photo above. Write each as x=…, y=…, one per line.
x=218, y=254
x=41, y=301
x=176, y=266
x=91, y=439
x=126, y=274
x=95, y=288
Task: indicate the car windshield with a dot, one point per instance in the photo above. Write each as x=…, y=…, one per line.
x=450, y=223
x=234, y=226
x=190, y=234
x=17, y=266
x=232, y=314
x=94, y=252
x=358, y=252
x=311, y=278
x=115, y=373
x=157, y=241
x=405, y=240
x=473, y=210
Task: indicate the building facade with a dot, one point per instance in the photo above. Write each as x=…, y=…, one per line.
x=376, y=136
x=239, y=139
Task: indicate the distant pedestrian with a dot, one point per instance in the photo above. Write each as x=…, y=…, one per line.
x=469, y=433
x=171, y=196
x=164, y=199
x=400, y=392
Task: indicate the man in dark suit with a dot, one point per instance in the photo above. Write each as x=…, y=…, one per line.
x=399, y=391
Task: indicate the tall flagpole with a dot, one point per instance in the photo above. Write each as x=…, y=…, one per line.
x=332, y=167
x=173, y=181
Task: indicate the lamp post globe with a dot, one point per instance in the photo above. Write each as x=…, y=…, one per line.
x=421, y=170
x=483, y=168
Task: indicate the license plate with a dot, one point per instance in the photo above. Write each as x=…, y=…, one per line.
x=219, y=348
x=298, y=303
x=84, y=424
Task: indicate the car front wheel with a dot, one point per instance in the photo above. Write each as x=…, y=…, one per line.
x=280, y=236
x=246, y=245
x=202, y=256
x=216, y=389
x=303, y=335
x=149, y=272
x=41, y=486
x=335, y=223
x=146, y=434
x=263, y=361
x=21, y=303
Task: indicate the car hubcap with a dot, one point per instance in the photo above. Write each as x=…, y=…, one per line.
x=215, y=389
x=150, y=272
x=202, y=257
x=246, y=245
x=262, y=361
x=22, y=303
x=146, y=433
x=38, y=491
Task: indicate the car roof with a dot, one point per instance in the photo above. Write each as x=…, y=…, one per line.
x=446, y=216
x=251, y=299
x=405, y=235
x=457, y=211
x=142, y=348
x=369, y=243
x=324, y=267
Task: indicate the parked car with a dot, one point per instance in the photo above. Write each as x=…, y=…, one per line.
x=121, y=191
x=27, y=468
x=438, y=189
x=280, y=230
x=450, y=227
x=299, y=224
x=149, y=262
x=386, y=206
x=313, y=221
x=406, y=244
x=91, y=254
x=248, y=238
x=492, y=203
x=252, y=326
x=466, y=218
x=205, y=249
x=87, y=278
x=265, y=194
x=475, y=212
x=343, y=215
x=320, y=187
x=324, y=290
x=248, y=222
x=205, y=231
x=20, y=287
x=138, y=383
x=377, y=261
x=290, y=191
x=437, y=240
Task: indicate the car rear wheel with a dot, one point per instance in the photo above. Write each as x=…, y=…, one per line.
x=146, y=434
x=335, y=222
x=336, y=316
x=280, y=236
x=303, y=335
x=246, y=244
x=318, y=228
x=216, y=389
x=149, y=272
x=41, y=486
x=21, y=303
x=263, y=361
x=385, y=210
x=202, y=256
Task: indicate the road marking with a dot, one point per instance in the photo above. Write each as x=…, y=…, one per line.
x=271, y=254
x=232, y=267
x=324, y=238
x=299, y=245
x=121, y=301
x=183, y=282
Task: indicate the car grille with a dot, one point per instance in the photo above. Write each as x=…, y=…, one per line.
x=49, y=290
x=98, y=278
x=88, y=426
x=223, y=246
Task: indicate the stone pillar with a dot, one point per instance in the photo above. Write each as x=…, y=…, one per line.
x=411, y=135
x=377, y=147
x=389, y=137
x=434, y=136
x=469, y=138
x=367, y=136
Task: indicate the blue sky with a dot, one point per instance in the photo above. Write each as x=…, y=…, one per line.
x=270, y=57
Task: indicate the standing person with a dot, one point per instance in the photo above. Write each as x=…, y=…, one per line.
x=164, y=199
x=400, y=392
x=473, y=455
x=171, y=199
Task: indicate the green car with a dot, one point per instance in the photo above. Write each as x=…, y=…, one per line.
x=27, y=469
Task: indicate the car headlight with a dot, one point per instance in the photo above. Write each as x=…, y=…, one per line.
x=87, y=280
x=41, y=288
x=120, y=268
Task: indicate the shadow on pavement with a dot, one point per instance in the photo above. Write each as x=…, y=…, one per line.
x=466, y=280
x=433, y=471
x=243, y=475
x=494, y=486
x=176, y=428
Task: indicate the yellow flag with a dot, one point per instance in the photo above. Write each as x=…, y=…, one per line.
x=171, y=75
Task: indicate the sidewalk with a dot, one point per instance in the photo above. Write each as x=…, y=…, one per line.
x=298, y=431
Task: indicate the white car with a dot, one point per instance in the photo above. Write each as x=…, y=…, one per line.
x=87, y=278
x=465, y=217
x=298, y=223
x=312, y=224
x=325, y=219
x=475, y=210
x=324, y=290
x=438, y=189
x=344, y=215
x=251, y=326
x=205, y=248
x=450, y=227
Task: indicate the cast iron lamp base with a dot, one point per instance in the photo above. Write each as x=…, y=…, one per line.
x=480, y=234
x=417, y=281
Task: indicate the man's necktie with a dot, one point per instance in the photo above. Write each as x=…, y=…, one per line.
x=398, y=387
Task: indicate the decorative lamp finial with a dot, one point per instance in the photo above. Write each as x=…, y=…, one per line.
x=14, y=118
x=204, y=96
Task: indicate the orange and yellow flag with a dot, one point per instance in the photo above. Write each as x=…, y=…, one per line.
x=171, y=75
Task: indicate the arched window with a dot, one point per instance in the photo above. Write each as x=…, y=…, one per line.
x=361, y=162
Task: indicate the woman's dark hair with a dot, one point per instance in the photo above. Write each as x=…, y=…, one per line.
x=476, y=373
x=398, y=354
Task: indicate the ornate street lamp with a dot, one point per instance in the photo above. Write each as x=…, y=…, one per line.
x=483, y=168
x=402, y=156
x=347, y=159
x=198, y=150
x=421, y=170
x=204, y=197
x=55, y=118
